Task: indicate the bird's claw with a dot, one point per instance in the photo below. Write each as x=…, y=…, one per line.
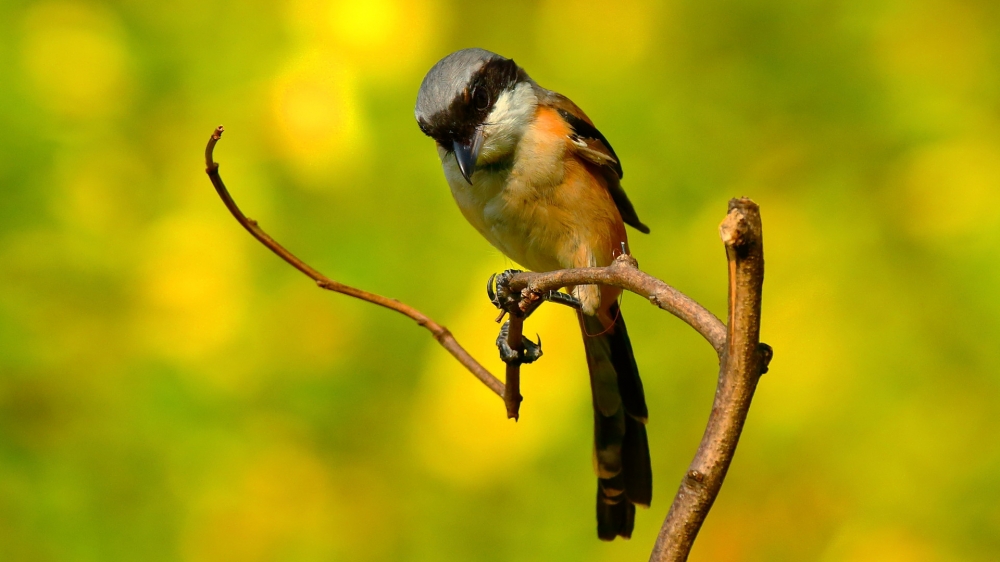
x=517, y=304
x=529, y=352
x=497, y=288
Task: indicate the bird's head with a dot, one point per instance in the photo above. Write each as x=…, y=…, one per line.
x=476, y=105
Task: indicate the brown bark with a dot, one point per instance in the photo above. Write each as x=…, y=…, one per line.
x=512, y=384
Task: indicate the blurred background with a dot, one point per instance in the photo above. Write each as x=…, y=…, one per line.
x=169, y=390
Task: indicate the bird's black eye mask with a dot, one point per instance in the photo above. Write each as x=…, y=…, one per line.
x=473, y=105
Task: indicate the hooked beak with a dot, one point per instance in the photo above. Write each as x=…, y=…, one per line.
x=466, y=154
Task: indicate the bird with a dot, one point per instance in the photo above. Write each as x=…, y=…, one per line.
x=534, y=176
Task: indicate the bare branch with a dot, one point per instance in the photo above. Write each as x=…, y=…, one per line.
x=742, y=363
x=742, y=358
x=625, y=274
x=441, y=334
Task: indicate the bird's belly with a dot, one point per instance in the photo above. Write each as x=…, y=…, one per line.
x=524, y=236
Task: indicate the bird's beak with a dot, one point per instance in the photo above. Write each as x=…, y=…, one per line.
x=466, y=153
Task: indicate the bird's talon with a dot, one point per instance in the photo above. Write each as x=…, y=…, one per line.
x=529, y=353
x=490, y=292
x=564, y=299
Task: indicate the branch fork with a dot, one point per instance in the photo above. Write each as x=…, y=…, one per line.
x=742, y=357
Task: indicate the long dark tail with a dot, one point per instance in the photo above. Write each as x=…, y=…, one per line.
x=621, y=451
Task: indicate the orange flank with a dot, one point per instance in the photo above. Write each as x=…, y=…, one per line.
x=583, y=202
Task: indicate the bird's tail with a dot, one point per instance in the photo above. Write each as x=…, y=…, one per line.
x=621, y=451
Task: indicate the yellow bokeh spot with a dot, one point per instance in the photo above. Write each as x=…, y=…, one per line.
x=74, y=58
x=366, y=25
x=385, y=39
x=191, y=287
x=626, y=31
x=316, y=114
x=461, y=430
x=949, y=188
x=271, y=495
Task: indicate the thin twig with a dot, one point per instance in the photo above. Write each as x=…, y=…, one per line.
x=625, y=274
x=441, y=334
x=742, y=363
x=512, y=384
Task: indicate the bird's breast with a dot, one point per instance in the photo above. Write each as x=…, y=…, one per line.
x=541, y=206
x=512, y=204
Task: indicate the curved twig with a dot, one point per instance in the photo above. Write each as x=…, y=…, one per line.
x=441, y=334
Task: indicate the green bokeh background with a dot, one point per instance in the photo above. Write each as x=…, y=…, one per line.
x=169, y=390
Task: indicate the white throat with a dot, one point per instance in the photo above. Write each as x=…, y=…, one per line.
x=508, y=120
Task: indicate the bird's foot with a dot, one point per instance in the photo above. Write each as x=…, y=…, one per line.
x=502, y=297
x=529, y=352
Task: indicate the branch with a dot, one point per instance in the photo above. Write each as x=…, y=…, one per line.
x=742, y=363
x=742, y=358
x=441, y=334
x=624, y=273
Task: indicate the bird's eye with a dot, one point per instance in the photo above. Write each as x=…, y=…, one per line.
x=481, y=98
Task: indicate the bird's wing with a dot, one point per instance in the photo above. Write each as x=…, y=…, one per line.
x=592, y=146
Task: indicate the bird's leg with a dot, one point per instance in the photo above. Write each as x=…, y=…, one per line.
x=520, y=304
x=510, y=302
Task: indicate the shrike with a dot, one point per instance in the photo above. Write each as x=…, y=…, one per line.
x=533, y=175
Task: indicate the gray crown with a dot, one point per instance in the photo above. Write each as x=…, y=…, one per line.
x=447, y=79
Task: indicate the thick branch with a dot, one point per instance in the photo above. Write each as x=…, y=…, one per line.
x=743, y=361
x=625, y=274
x=441, y=334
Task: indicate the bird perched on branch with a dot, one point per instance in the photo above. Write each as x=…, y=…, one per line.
x=536, y=178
